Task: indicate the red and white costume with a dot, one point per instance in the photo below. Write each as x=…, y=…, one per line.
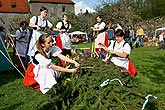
x=41, y=76
x=66, y=42
x=102, y=36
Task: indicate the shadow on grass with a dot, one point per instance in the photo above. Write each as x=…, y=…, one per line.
x=9, y=76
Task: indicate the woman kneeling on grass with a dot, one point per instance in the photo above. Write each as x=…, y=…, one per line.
x=42, y=73
x=120, y=50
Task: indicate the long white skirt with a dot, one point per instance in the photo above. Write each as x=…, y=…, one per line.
x=45, y=77
x=66, y=42
x=32, y=46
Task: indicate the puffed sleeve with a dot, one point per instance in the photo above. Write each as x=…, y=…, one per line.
x=111, y=46
x=49, y=24
x=33, y=20
x=70, y=26
x=127, y=48
x=102, y=25
x=17, y=34
x=42, y=60
x=96, y=26
x=59, y=24
x=55, y=51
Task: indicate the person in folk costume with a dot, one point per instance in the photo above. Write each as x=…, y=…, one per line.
x=63, y=40
x=22, y=39
x=120, y=51
x=39, y=24
x=100, y=28
x=42, y=73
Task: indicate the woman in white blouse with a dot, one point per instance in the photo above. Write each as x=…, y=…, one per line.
x=22, y=39
x=63, y=28
x=100, y=28
x=120, y=50
x=43, y=71
x=39, y=24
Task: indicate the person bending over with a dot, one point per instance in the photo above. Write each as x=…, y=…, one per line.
x=42, y=74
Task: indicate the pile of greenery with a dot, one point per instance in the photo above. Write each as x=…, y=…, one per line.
x=83, y=91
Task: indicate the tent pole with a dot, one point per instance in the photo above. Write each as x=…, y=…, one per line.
x=11, y=63
x=17, y=52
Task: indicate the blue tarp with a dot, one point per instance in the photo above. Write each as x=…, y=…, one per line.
x=4, y=57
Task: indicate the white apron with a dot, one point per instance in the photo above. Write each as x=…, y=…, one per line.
x=66, y=42
x=45, y=77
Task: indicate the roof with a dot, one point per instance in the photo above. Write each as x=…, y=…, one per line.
x=159, y=29
x=14, y=6
x=78, y=33
x=53, y=1
x=162, y=28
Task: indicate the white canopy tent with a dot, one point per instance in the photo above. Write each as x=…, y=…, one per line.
x=159, y=29
x=78, y=33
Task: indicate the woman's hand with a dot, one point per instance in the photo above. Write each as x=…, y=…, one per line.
x=38, y=28
x=76, y=64
x=92, y=28
x=74, y=70
x=103, y=46
x=62, y=30
x=59, y=30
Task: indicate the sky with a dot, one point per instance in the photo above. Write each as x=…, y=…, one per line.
x=85, y=5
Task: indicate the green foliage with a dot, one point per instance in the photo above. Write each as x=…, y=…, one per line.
x=82, y=22
x=150, y=8
x=82, y=91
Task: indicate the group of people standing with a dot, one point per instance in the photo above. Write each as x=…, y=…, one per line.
x=26, y=40
x=42, y=73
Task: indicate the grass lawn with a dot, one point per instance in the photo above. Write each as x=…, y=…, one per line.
x=149, y=62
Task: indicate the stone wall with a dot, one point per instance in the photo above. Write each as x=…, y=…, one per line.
x=54, y=10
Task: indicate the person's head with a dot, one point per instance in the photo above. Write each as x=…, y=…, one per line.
x=24, y=25
x=162, y=32
x=119, y=24
x=44, y=43
x=110, y=23
x=119, y=35
x=65, y=17
x=43, y=11
x=99, y=18
x=129, y=27
x=139, y=27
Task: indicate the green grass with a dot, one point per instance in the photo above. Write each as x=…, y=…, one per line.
x=149, y=62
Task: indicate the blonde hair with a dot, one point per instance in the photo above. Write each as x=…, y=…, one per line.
x=40, y=41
